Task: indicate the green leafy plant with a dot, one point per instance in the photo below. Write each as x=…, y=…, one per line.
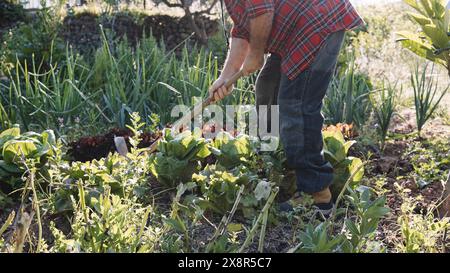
x=35, y=41
x=420, y=233
x=359, y=228
x=347, y=99
x=433, y=42
x=178, y=157
x=110, y=225
x=368, y=212
x=232, y=151
x=384, y=107
x=316, y=239
x=105, y=88
x=17, y=148
x=335, y=151
x=219, y=188
x=10, y=12
x=426, y=95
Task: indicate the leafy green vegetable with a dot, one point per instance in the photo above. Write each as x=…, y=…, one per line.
x=232, y=151
x=178, y=157
x=15, y=148
x=219, y=188
x=335, y=151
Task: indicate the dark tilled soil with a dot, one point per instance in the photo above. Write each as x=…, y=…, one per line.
x=96, y=147
x=396, y=166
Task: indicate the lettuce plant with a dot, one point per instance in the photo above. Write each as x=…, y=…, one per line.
x=335, y=151
x=16, y=148
x=178, y=157
x=232, y=151
x=219, y=188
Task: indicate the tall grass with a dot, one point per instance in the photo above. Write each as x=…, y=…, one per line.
x=102, y=91
x=43, y=99
x=426, y=94
x=347, y=98
x=384, y=105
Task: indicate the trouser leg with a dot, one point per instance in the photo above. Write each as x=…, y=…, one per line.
x=268, y=84
x=301, y=121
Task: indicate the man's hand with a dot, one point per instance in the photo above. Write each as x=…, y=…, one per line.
x=234, y=61
x=217, y=91
x=253, y=62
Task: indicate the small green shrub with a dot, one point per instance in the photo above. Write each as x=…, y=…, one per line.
x=34, y=43
x=110, y=225
x=359, y=231
x=10, y=13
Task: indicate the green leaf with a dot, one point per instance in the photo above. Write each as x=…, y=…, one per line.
x=414, y=4
x=336, y=149
x=14, y=132
x=15, y=149
x=438, y=37
x=176, y=224
x=352, y=227
x=419, y=18
x=48, y=137
x=348, y=145
x=9, y=134
x=343, y=171
x=8, y=170
x=234, y=227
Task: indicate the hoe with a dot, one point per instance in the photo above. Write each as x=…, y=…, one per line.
x=120, y=143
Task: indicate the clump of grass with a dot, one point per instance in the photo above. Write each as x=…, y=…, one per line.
x=426, y=94
x=384, y=106
x=347, y=99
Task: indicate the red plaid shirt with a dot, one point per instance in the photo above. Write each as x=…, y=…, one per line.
x=299, y=27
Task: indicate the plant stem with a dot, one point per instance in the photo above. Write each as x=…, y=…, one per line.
x=263, y=232
x=36, y=208
x=226, y=220
x=252, y=232
x=341, y=194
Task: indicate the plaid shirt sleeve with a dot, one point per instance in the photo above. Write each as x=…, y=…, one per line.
x=252, y=9
x=256, y=8
x=239, y=32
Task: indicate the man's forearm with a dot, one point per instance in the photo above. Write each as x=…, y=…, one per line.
x=260, y=29
x=236, y=56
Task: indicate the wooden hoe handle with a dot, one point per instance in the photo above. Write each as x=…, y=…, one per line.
x=199, y=106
